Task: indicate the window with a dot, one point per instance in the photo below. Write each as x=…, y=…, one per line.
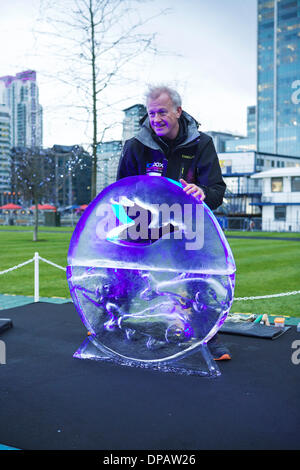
x=295, y=183
x=279, y=212
x=276, y=185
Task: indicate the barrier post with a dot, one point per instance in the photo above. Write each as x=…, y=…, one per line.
x=36, y=277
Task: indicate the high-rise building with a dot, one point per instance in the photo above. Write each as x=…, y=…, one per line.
x=108, y=160
x=278, y=68
x=220, y=139
x=21, y=95
x=131, y=122
x=251, y=122
x=109, y=152
x=244, y=144
x=4, y=149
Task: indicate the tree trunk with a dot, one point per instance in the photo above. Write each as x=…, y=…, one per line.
x=36, y=221
x=94, y=98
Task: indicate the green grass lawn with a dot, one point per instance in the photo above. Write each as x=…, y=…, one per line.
x=17, y=247
x=263, y=267
x=263, y=234
x=267, y=267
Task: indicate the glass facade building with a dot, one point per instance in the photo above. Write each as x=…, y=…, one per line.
x=278, y=71
x=221, y=139
x=244, y=144
x=251, y=121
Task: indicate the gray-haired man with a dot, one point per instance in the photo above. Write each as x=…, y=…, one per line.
x=169, y=139
x=170, y=136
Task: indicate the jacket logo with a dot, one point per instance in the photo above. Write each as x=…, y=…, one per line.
x=188, y=156
x=155, y=164
x=155, y=168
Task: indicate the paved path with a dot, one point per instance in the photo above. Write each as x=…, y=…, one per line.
x=12, y=301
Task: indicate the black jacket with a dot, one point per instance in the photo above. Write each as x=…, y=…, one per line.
x=191, y=156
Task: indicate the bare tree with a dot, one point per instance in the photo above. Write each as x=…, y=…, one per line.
x=34, y=173
x=33, y=176
x=97, y=40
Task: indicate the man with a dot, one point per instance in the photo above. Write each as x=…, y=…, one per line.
x=170, y=136
x=169, y=141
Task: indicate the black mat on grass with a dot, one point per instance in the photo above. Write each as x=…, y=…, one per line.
x=49, y=400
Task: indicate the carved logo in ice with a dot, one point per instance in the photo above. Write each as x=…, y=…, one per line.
x=150, y=271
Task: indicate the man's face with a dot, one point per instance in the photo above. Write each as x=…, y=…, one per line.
x=164, y=116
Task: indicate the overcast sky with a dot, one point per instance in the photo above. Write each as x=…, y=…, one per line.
x=215, y=69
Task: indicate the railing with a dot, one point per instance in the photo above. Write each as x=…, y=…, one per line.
x=281, y=198
x=38, y=258
x=34, y=260
x=240, y=223
x=26, y=220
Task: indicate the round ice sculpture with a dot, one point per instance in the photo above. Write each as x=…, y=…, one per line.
x=152, y=276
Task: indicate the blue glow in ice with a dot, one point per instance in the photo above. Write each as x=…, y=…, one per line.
x=175, y=182
x=120, y=213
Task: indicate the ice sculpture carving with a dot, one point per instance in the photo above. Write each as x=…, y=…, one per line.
x=151, y=275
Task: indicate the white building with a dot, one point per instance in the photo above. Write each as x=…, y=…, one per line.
x=21, y=96
x=244, y=193
x=280, y=201
x=4, y=149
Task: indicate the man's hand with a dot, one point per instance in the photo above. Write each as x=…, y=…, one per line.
x=192, y=189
